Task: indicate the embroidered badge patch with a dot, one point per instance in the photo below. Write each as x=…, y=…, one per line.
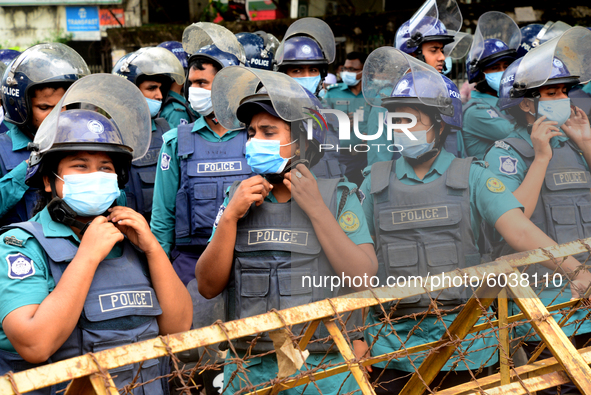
x=495, y=185
x=492, y=113
x=508, y=165
x=165, y=161
x=20, y=266
x=349, y=221
x=501, y=144
x=13, y=241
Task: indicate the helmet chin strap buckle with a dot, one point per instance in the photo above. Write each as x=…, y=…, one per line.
x=59, y=211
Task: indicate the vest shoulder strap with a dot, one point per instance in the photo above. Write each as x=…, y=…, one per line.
x=458, y=174
x=327, y=188
x=5, y=150
x=521, y=146
x=185, y=140
x=380, y=175
x=472, y=103
x=162, y=125
x=233, y=188
x=58, y=249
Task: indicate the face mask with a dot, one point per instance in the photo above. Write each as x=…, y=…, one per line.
x=200, y=100
x=494, y=80
x=90, y=194
x=310, y=83
x=447, y=67
x=322, y=93
x=555, y=110
x=414, y=148
x=349, y=78
x=263, y=156
x=154, y=106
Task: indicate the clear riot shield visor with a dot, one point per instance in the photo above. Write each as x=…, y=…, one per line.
x=386, y=66
x=425, y=19
x=460, y=46
x=573, y=50
x=121, y=100
x=494, y=24
x=46, y=61
x=201, y=34
x=232, y=84
x=549, y=31
x=156, y=60
x=315, y=28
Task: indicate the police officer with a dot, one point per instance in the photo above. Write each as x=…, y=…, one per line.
x=494, y=48
x=64, y=260
x=32, y=85
x=259, y=48
x=544, y=161
x=175, y=108
x=424, y=211
x=304, y=54
x=152, y=70
x=430, y=40
x=326, y=212
x=347, y=97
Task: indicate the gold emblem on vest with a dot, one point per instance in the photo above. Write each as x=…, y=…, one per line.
x=419, y=215
x=277, y=236
x=570, y=177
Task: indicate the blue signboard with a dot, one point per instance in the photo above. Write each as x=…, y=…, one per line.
x=82, y=19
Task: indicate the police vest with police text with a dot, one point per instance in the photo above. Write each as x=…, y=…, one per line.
x=207, y=170
x=142, y=175
x=423, y=230
x=121, y=308
x=10, y=159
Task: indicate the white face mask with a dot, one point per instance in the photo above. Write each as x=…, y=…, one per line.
x=200, y=100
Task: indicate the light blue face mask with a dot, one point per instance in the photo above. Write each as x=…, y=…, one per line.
x=494, y=80
x=414, y=148
x=555, y=110
x=448, y=66
x=263, y=156
x=90, y=194
x=154, y=106
x=310, y=83
x=349, y=78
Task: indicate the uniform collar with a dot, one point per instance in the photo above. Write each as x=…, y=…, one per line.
x=19, y=139
x=199, y=124
x=177, y=96
x=490, y=99
x=439, y=166
x=554, y=141
x=52, y=228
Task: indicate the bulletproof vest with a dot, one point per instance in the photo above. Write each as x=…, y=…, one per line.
x=328, y=166
x=207, y=170
x=121, y=307
x=563, y=211
x=423, y=230
x=10, y=159
x=142, y=175
x=276, y=251
x=170, y=100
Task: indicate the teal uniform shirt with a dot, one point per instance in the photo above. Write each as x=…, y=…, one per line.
x=167, y=181
x=34, y=287
x=340, y=97
x=484, y=123
x=12, y=185
x=378, y=148
x=175, y=113
x=485, y=204
x=512, y=177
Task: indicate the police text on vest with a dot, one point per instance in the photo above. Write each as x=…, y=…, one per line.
x=125, y=300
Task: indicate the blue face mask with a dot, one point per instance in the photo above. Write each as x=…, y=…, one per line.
x=263, y=156
x=494, y=80
x=448, y=65
x=349, y=78
x=90, y=194
x=555, y=110
x=310, y=83
x=154, y=106
x=414, y=148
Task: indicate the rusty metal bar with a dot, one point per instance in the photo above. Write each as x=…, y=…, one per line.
x=95, y=384
x=504, y=350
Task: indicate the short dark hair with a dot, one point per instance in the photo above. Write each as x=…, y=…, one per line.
x=52, y=85
x=198, y=62
x=361, y=56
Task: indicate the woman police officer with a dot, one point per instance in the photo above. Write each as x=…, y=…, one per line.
x=82, y=276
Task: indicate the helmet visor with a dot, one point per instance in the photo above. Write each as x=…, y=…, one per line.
x=157, y=60
x=494, y=24
x=460, y=46
x=116, y=96
x=425, y=19
x=200, y=34
x=315, y=28
x=232, y=84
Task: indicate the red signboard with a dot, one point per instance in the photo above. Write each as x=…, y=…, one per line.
x=109, y=18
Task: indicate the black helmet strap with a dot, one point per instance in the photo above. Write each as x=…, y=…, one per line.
x=59, y=211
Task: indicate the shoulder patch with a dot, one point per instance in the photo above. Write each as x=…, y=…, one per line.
x=165, y=161
x=495, y=185
x=502, y=144
x=349, y=221
x=492, y=113
x=508, y=165
x=332, y=86
x=20, y=266
x=13, y=241
x=481, y=163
